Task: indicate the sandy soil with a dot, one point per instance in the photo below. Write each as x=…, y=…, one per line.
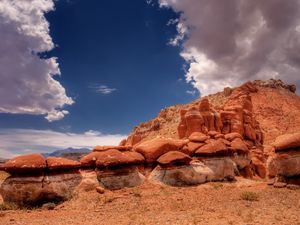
x=212, y=203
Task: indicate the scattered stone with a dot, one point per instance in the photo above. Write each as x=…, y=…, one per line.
x=271, y=181
x=100, y=190
x=279, y=185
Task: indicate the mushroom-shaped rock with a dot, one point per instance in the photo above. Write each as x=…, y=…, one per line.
x=156, y=147
x=113, y=157
x=26, y=164
x=214, y=148
x=213, y=133
x=90, y=159
x=239, y=146
x=173, y=158
x=100, y=148
x=55, y=164
x=232, y=136
x=284, y=164
x=193, y=146
x=198, y=137
x=287, y=141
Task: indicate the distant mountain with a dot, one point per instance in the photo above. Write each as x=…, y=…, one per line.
x=69, y=153
x=2, y=160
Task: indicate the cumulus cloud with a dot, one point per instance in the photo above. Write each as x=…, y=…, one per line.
x=24, y=141
x=229, y=42
x=27, y=81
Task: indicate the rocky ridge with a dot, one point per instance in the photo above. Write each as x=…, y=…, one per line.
x=185, y=145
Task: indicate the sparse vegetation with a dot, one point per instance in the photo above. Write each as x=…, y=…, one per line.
x=3, y=176
x=8, y=206
x=49, y=205
x=216, y=185
x=249, y=196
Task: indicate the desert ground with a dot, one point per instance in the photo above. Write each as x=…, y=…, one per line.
x=242, y=202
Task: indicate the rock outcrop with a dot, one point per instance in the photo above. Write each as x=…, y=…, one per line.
x=214, y=138
x=35, y=180
x=284, y=163
x=198, y=172
x=115, y=166
x=156, y=147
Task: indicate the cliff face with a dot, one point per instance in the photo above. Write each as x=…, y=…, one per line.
x=275, y=110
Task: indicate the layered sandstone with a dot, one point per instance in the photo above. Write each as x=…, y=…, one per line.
x=35, y=180
x=276, y=108
x=284, y=163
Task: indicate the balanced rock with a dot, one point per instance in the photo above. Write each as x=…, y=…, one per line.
x=173, y=158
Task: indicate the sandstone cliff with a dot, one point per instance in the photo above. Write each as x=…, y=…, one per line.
x=275, y=106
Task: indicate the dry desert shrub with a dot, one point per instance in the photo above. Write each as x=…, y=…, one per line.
x=8, y=206
x=249, y=196
x=3, y=175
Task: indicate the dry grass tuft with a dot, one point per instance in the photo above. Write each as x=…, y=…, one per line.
x=249, y=196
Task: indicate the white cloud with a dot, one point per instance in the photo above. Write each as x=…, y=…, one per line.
x=27, y=84
x=229, y=42
x=24, y=141
x=193, y=92
x=102, y=89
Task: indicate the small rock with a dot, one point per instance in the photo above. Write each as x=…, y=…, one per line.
x=271, y=182
x=293, y=186
x=279, y=185
x=49, y=206
x=100, y=190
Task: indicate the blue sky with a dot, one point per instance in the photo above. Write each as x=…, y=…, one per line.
x=77, y=73
x=116, y=65
x=118, y=45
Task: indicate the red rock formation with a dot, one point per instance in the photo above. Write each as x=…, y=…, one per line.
x=154, y=148
x=285, y=160
x=100, y=148
x=26, y=164
x=114, y=157
x=174, y=158
x=287, y=141
x=61, y=164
